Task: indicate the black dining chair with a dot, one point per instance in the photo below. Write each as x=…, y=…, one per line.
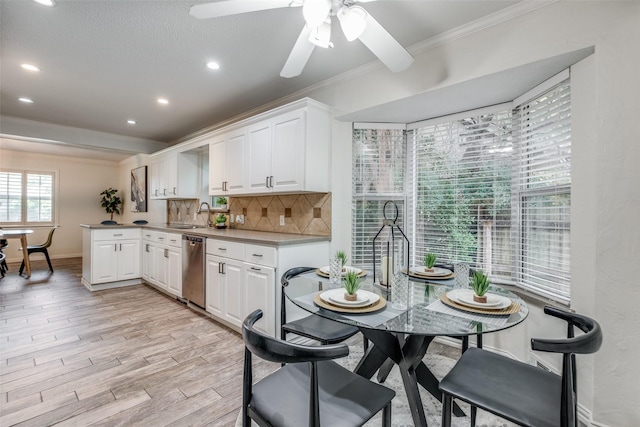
x=43, y=248
x=314, y=327
x=310, y=389
x=519, y=392
x=2, y=260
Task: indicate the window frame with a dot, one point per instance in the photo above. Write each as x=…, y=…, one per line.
x=24, y=197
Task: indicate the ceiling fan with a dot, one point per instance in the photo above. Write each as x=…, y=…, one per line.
x=356, y=23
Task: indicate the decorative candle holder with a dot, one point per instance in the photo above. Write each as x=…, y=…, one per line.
x=394, y=247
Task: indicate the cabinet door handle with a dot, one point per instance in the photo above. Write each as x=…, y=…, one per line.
x=115, y=247
x=120, y=247
x=221, y=269
x=256, y=269
x=166, y=253
x=271, y=181
x=222, y=249
x=266, y=182
x=146, y=247
x=174, y=191
x=116, y=235
x=258, y=255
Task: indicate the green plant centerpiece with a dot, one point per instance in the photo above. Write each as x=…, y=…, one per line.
x=351, y=284
x=221, y=220
x=342, y=256
x=480, y=285
x=110, y=201
x=429, y=261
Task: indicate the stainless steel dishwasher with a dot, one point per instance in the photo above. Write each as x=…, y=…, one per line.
x=193, y=270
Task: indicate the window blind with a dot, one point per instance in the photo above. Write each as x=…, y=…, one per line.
x=543, y=189
x=10, y=196
x=379, y=166
x=462, y=192
x=39, y=197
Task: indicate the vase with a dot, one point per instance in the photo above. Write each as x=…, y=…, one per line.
x=480, y=299
x=351, y=297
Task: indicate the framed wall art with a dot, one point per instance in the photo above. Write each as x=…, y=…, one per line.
x=139, y=189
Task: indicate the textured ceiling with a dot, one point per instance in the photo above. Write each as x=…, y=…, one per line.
x=104, y=62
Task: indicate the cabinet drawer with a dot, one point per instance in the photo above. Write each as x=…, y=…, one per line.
x=160, y=237
x=116, y=234
x=148, y=235
x=174, y=240
x=262, y=255
x=225, y=248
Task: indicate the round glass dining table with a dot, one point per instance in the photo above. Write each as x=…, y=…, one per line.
x=402, y=333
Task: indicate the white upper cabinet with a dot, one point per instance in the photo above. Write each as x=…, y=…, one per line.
x=284, y=150
x=173, y=175
x=228, y=163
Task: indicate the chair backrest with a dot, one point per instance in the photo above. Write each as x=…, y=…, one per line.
x=284, y=281
x=276, y=350
x=50, y=238
x=587, y=343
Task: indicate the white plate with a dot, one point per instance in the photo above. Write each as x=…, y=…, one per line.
x=437, y=271
x=465, y=297
x=336, y=297
x=326, y=270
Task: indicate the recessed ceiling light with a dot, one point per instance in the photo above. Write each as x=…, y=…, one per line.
x=50, y=3
x=213, y=65
x=30, y=67
x=163, y=101
x=131, y=122
x=25, y=100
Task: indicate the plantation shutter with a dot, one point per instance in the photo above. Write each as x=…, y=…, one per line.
x=543, y=187
x=10, y=196
x=39, y=192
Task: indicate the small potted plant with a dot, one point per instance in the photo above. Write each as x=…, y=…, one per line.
x=222, y=202
x=342, y=256
x=429, y=261
x=480, y=285
x=351, y=284
x=111, y=202
x=221, y=221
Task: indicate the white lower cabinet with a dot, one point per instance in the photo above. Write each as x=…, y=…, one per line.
x=162, y=261
x=244, y=277
x=259, y=294
x=111, y=256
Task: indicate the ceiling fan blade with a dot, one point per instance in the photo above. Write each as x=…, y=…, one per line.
x=299, y=55
x=235, y=7
x=384, y=46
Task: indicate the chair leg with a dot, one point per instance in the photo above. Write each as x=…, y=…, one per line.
x=386, y=415
x=446, y=410
x=365, y=343
x=474, y=410
x=46, y=255
x=21, y=267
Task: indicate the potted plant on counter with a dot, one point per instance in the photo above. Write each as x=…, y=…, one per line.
x=111, y=203
x=221, y=221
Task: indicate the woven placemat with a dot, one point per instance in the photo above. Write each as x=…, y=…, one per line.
x=513, y=308
x=427, y=277
x=378, y=305
x=323, y=274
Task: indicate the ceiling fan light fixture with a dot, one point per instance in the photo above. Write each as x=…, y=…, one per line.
x=321, y=36
x=316, y=11
x=353, y=21
x=49, y=3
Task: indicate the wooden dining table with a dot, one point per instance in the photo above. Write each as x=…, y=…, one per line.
x=22, y=235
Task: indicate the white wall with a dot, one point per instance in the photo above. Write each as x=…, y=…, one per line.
x=606, y=152
x=80, y=182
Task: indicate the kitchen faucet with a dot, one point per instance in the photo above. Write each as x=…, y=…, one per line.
x=199, y=211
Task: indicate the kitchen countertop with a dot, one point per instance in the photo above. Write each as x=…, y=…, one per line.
x=246, y=236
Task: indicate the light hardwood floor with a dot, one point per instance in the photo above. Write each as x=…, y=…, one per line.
x=128, y=356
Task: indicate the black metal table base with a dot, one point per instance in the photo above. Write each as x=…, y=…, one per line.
x=407, y=352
